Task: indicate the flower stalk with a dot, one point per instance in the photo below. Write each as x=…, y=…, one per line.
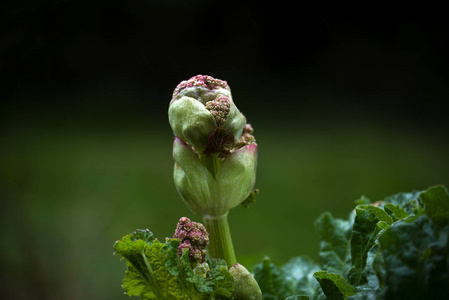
x=220, y=238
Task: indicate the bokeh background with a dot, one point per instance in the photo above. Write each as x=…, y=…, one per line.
x=342, y=106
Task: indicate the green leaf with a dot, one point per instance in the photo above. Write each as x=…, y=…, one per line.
x=395, y=211
x=298, y=297
x=406, y=201
x=414, y=260
x=135, y=285
x=334, y=246
x=155, y=271
x=294, y=279
x=298, y=276
x=436, y=204
x=221, y=278
x=362, y=201
x=399, y=249
x=334, y=285
x=364, y=235
x=270, y=280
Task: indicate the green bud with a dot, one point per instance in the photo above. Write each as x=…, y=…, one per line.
x=214, y=150
x=193, y=180
x=201, y=104
x=237, y=175
x=245, y=286
x=206, y=194
x=191, y=121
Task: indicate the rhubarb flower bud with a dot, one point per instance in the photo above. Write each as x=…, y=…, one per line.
x=214, y=150
x=210, y=195
x=194, y=237
x=245, y=286
x=200, y=105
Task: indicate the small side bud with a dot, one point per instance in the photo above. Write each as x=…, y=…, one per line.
x=194, y=237
x=246, y=138
x=245, y=286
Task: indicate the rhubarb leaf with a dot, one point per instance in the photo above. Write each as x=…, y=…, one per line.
x=334, y=285
x=154, y=271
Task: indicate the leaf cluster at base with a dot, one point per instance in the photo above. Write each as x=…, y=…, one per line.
x=154, y=271
x=397, y=248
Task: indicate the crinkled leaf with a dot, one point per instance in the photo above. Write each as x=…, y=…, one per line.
x=298, y=274
x=155, y=271
x=436, y=204
x=414, y=260
x=299, y=297
x=362, y=201
x=334, y=246
x=294, y=279
x=396, y=212
x=221, y=277
x=406, y=201
x=364, y=235
x=135, y=285
x=334, y=285
x=271, y=281
x=399, y=250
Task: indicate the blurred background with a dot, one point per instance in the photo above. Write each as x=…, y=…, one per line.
x=342, y=106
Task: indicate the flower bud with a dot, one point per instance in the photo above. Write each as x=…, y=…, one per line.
x=245, y=286
x=205, y=194
x=200, y=105
x=194, y=237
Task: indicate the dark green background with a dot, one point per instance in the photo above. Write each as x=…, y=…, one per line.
x=342, y=106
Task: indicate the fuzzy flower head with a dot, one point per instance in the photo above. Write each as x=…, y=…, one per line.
x=219, y=108
x=200, y=82
x=194, y=237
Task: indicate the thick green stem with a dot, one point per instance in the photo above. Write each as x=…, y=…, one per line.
x=220, y=239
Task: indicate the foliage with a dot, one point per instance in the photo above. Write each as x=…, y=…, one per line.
x=154, y=271
x=392, y=249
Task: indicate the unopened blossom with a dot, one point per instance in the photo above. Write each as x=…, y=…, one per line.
x=214, y=150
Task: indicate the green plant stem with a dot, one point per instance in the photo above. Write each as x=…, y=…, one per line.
x=220, y=239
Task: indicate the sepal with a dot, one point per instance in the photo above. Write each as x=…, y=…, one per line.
x=191, y=121
x=206, y=195
x=193, y=180
x=237, y=175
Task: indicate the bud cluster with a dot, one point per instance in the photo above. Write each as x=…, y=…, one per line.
x=247, y=137
x=219, y=108
x=201, y=81
x=194, y=237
